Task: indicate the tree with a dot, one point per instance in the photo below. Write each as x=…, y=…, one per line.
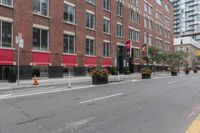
x=167, y=57
x=155, y=54
x=179, y=56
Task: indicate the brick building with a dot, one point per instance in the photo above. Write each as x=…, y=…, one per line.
x=77, y=34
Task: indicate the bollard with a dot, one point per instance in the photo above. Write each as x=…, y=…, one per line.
x=69, y=81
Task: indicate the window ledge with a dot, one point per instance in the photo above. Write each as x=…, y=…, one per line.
x=119, y=16
x=107, y=57
x=106, y=10
x=90, y=29
x=90, y=56
x=66, y=22
x=70, y=54
x=107, y=33
x=37, y=51
x=7, y=48
x=91, y=3
x=119, y=37
x=37, y=14
x=8, y=6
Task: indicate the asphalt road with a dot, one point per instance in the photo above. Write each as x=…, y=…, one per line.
x=161, y=105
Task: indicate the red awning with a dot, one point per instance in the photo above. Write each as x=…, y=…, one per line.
x=69, y=60
x=6, y=56
x=41, y=59
x=90, y=61
x=107, y=62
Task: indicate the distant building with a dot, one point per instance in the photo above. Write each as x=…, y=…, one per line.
x=191, y=48
x=187, y=18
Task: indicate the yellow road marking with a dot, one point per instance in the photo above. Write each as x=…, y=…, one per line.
x=195, y=126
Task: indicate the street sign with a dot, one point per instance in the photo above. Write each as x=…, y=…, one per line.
x=21, y=43
x=19, y=40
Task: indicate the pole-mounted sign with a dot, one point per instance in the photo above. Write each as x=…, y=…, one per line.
x=19, y=40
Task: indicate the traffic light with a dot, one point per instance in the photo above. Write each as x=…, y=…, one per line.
x=144, y=49
x=128, y=48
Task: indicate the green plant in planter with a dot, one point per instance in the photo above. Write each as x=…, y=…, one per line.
x=114, y=71
x=126, y=70
x=99, y=76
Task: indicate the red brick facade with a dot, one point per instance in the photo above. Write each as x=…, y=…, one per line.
x=23, y=20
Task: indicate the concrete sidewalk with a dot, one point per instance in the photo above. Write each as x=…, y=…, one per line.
x=46, y=82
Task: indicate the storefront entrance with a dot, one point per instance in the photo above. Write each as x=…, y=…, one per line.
x=4, y=72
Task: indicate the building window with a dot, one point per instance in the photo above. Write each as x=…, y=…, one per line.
x=40, y=39
x=91, y=1
x=135, y=2
x=148, y=23
x=148, y=8
x=167, y=33
x=119, y=30
x=90, y=20
x=5, y=34
x=90, y=47
x=134, y=16
x=41, y=7
x=69, y=13
x=6, y=2
x=159, y=16
x=106, y=49
x=150, y=40
x=106, y=26
x=106, y=4
x=159, y=28
x=69, y=44
x=167, y=46
x=134, y=35
x=119, y=9
x=137, y=53
x=159, y=43
x=159, y=2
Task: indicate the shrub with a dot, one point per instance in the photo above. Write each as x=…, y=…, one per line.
x=146, y=70
x=100, y=72
x=114, y=70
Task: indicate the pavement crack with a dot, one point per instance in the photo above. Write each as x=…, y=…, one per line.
x=32, y=120
x=18, y=108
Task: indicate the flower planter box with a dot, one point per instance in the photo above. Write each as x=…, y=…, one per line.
x=98, y=80
x=187, y=72
x=146, y=76
x=174, y=73
x=195, y=71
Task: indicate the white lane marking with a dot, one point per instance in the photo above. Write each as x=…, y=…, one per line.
x=157, y=77
x=78, y=124
x=101, y=98
x=136, y=80
x=191, y=114
x=173, y=82
x=118, y=83
x=9, y=96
